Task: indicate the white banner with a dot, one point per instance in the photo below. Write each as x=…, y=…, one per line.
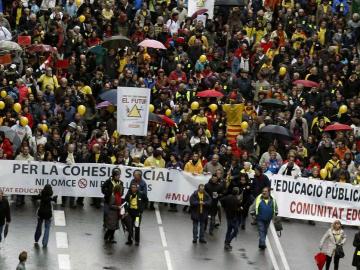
x=195, y=5
x=85, y=179
x=133, y=110
x=317, y=200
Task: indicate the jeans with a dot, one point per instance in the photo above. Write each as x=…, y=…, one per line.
x=1, y=231
x=134, y=215
x=196, y=224
x=232, y=229
x=263, y=226
x=46, y=233
x=336, y=262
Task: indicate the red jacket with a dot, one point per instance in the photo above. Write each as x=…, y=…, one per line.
x=6, y=146
x=23, y=93
x=174, y=75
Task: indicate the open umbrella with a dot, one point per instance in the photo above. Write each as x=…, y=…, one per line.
x=152, y=43
x=338, y=127
x=110, y=95
x=239, y=3
x=276, y=131
x=12, y=136
x=116, y=42
x=320, y=259
x=272, y=102
x=6, y=45
x=41, y=48
x=209, y=93
x=199, y=12
x=306, y=83
x=161, y=119
x=103, y=104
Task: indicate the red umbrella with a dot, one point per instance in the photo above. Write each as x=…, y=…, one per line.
x=41, y=48
x=161, y=119
x=210, y=93
x=338, y=127
x=168, y=120
x=199, y=12
x=306, y=83
x=152, y=43
x=320, y=260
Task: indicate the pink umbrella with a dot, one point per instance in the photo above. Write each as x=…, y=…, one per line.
x=103, y=104
x=306, y=83
x=199, y=12
x=151, y=43
x=41, y=48
x=210, y=93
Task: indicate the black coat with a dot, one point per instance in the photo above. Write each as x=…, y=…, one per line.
x=107, y=189
x=356, y=244
x=231, y=205
x=4, y=211
x=141, y=201
x=247, y=199
x=102, y=159
x=215, y=191
x=45, y=209
x=258, y=183
x=195, y=206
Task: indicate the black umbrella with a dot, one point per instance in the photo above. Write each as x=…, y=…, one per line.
x=277, y=131
x=272, y=103
x=110, y=95
x=116, y=42
x=230, y=3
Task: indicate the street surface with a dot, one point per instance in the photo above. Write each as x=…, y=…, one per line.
x=166, y=244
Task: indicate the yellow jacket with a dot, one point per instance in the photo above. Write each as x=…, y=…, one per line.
x=191, y=168
x=46, y=80
x=204, y=41
x=153, y=162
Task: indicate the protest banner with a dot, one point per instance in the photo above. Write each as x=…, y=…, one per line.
x=317, y=200
x=133, y=110
x=85, y=180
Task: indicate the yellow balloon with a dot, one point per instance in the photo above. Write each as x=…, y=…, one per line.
x=323, y=173
x=151, y=108
x=172, y=140
x=343, y=109
x=24, y=121
x=213, y=107
x=3, y=93
x=78, y=3
x=82, y=18
x=44, y=128
x=168, y=112
x=2, y=105
x=244, y=125
x=17, y=107
x=203, y=58
x=81, y=109
x=29, y=90
x=282, y=71
x=111, y=108
x=195, y=105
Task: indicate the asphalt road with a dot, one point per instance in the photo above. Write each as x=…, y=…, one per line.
x=166, y=244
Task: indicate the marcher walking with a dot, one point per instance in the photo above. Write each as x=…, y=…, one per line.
x=44, y=214
x=5, y=217
x=135, y=206
x=264, y=209
x=231, y=204
x=331, y=242
x=199, y=208
x=356, y=258
x=113, y=215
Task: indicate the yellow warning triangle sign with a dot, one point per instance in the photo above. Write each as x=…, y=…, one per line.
x=134, y=112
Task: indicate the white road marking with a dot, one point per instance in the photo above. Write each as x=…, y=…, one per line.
x=162, y=236
x=59, y=218
x=157, y=213
x=64, y=262
x=168, y=260
x=271, y=254
x=279, y=247
x=62, y=240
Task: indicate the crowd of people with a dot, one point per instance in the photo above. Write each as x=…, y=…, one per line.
x=303, y=56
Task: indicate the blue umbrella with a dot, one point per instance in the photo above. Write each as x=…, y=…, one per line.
x=110, y=95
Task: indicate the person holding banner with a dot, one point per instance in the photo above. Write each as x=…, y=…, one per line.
x=136, y=202
x=331, y=244
x=264, y=209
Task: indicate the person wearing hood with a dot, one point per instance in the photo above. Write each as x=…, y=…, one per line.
x=5, y=216
x=215, y=189
x=200, y=202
